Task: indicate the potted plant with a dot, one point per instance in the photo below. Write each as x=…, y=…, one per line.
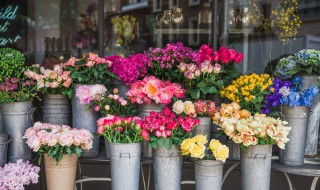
x=55, y=84
x=60, y=146
x=256, y=135
x=88, y=70
x=208, y=166
x=16, y=95
x=17, y=175
x=124, y=137
x=165, y=132
x=306, y=64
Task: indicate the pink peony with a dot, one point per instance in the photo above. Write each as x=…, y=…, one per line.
x=66, y=139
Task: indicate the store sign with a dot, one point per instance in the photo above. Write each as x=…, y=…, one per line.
x=9, y=31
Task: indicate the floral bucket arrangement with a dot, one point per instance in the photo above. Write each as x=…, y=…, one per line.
x=208, y=166
x=124, y=137
x=256, y=135
x=60, y=146
x=165, y=132
x=15, y=176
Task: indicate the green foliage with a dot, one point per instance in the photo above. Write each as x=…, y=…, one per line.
x=11, y=62
x=58, y=151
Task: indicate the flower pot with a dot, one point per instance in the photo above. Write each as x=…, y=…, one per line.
x=144, y=110
x=17, y=118
x=208, y=174
x=61, y=175
x=123, y=88
x=314, y=118
x=125, y=164
x=256, y=167
x=167, y=168
x=297, y=118
x=84, y=117
x=4, y=140
x=234, y=150
x=56, y=109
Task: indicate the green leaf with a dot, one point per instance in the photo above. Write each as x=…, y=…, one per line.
x=68, y=151
x=162, y=141
x=153, y=138
x=78, y=151
x=168, y=144
x=195, y=94
x=212, y=90
x=80, y=62
x=202, y=84
x=153, y=144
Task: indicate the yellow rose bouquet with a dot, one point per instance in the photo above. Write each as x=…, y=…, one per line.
x=195, y=148
x=249, y=91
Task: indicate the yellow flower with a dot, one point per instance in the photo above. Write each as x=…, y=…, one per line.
x=214, y=144
x=185, y=146
x=221, y=153
x=197, y=150
x=200, y=139
x=189, y=107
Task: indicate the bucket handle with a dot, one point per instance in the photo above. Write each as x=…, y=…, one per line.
x=125, y=155
x=8, y=141
x=30, y=113
x=263, y=156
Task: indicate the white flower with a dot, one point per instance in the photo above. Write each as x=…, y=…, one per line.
x=284, y=91
x=178, y=107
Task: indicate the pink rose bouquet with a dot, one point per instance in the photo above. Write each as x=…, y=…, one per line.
x=120, y=129
x=89, y=93
x=129, y=69
x=151, y=88
x=197, y=109
x=209, y=71
x=57, y=140
x=165, y=129
x=56, y=81
x=13, y=176
x=89, y=70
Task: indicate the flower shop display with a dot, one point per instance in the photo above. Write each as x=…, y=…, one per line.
x=4, y=141
x=165, y=132
x=203, y=110
x=248, y=91
x=256, y=134
x=60, y=146
x=55, y=84
x=124, y=137
x=14, y=176
x=208, y=167
x=84, y=116
x=209, y=71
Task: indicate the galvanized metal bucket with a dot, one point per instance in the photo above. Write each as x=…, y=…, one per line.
x=234, y=150
x=56, y=109
x=1, y=125
x=4, y=141
x=256, y=167
x=203, y=128
x=84, y=117
x=125, y=166
x=167, y=168
x=107, y=147
x=17, y=118
x=208, y=174
x=297, y=118
x=145, y=110
x=123, y=88
x=314, y=118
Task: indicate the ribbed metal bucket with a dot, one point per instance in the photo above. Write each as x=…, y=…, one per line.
x=145, y=110
x=56, y=109
x=234, y=150
x=4, y=140
x=107, y=147
x=314, y=118
x=256, y=167
x=84, y=117
x=203, y=128
x=17, y=118
x=123, y=88
x=1, y=125
x=208, y=174
x=125, y=166
x=297, y=118
x=167, y=168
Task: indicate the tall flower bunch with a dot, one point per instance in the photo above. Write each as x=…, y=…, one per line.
x=249, y=130
x=199, y=108
x=209, y=71
x=123, y=27
x=151, y=88
x=163, y=62
x=13, y=176
x=195, y=148
x=120, y=129
x=165, y=129
x=57, y=140
x=249, y=91
x=305, y=62
x=129, y=69
x=56, y=81
x=89, y=70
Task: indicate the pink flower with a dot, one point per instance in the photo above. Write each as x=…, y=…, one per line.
x=66, y=139
x=124, y=103
x=232, y=53
x=90, y=63
x=177, y=90
x=165, y=96
x=217, y=68
x=93, y=57
x=100, y=130
x=238, y=58
x=158, y=133
x=117, y=120
x=83, y=93
x=200, y=107
x=34, y=143
x=152, y=86
x=145, y=135
x=29, y=132
x=216, y=57
x=96, y=108
x=67, y=82
x=189, y=75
